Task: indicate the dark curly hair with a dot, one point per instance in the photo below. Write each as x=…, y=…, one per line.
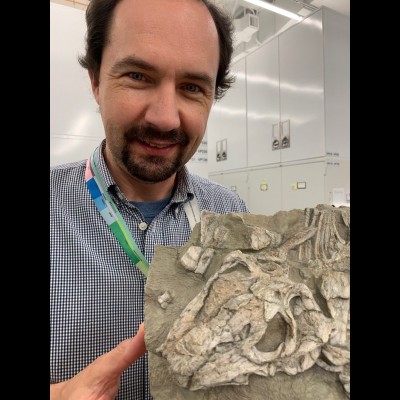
x=98, y=20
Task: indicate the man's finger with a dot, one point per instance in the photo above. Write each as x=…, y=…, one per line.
x=136, y=346
x=128, y=351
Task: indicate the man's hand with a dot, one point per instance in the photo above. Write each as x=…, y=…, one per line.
x=100, y=379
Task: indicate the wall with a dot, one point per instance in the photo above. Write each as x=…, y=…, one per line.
x=75, y=125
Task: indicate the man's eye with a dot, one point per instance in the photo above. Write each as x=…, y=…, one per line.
x=137, y=76
x=192, y=88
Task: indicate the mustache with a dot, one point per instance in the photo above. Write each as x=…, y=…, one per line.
x=147, y=133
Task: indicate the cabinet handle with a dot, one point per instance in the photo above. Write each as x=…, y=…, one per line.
x=285, y=134
x=276, y=137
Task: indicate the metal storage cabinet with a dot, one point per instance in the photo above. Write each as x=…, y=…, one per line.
x=314, y=86
x=298, y=80
x=263, y=114
x=293, y=185
x=311, y=183
x=337, y=179
x=336, y=30
x=227, y=125
x=301, y=67
x=285, y=187
x=303, y=185
x=265, y=190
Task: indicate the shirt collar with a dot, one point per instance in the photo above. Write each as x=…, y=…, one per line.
x=102, y=166
x=184, y=188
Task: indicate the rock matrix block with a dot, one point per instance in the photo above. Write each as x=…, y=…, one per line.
x=253, y=307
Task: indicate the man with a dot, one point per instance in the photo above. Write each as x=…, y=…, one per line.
x=155, y=67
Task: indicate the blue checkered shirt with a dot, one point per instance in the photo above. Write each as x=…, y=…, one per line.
x=96, y=293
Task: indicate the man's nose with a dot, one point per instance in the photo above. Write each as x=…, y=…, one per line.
x=162, y=111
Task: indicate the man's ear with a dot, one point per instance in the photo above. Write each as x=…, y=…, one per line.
x=95, y=85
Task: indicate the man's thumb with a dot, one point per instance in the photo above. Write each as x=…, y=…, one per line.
x=128, y=351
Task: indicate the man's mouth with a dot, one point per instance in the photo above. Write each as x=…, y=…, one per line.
x=159, y=145
x=158, y=149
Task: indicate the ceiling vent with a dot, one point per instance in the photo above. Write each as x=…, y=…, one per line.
x=245, y=28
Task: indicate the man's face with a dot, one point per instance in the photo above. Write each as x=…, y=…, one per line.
x=157, y=84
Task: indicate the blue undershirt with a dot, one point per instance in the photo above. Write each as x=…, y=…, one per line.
x=150, y=209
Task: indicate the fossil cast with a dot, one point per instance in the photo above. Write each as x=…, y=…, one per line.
x=250, y=298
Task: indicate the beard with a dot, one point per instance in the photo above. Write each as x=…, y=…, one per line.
x=152, y=169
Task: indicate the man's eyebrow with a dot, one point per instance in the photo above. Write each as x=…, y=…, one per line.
x=132, y=62
x=136, y=62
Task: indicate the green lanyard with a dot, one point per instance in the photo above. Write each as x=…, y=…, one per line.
x=112, y=216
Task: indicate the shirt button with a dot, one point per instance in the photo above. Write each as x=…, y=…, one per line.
x=143, y=226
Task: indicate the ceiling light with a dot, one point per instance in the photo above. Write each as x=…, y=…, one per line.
x=275, y=9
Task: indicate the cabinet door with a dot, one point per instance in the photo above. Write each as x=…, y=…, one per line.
x=337, y=83
x=302, y=89
x=337, y=182
x=303, y=185
x=227, y=128
x=265, y=190
x=263, y=115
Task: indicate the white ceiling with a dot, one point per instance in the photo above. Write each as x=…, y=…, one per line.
x=271, y=24
x=296, y=6
x=341, y=6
